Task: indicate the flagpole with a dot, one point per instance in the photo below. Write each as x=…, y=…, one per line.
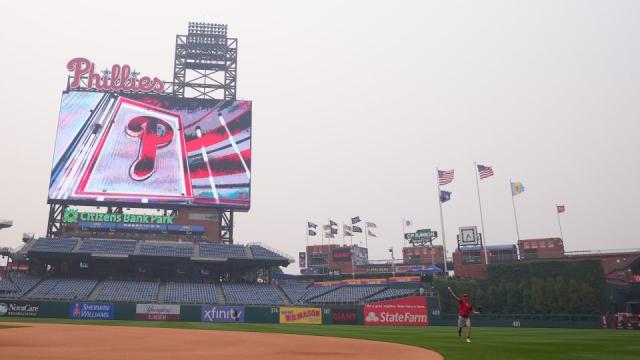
x=305, y=249
x=513, y=202
x=559, y=224
x=404, y=240
x=366, y=235
x=444, y=243
x=484, y=235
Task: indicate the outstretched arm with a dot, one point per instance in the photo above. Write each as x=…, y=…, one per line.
x=453, y=294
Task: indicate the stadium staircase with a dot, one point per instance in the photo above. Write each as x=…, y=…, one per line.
x=283, y=295
x=28, y=294
x=196, y=250
x=77, y=247
x=136, y=251
x=96, y=290
x=247, y=249
x=162, y=292
x=217, y=288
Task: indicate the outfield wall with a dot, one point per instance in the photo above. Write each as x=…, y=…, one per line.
x=335, y=314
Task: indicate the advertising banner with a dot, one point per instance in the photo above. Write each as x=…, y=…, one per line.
x=341, y=254
x=95, y=311
x=158, y=312
x=408, y=311
x=317, y=259
x=383, y=268
x=404, y=279
x=411, y=268
x=363, y=281
x=146, y=149
x=302, y=259
x=222, y=314
x=344, y=316
x=300, y=315
x=19, y=308
x=360, y=256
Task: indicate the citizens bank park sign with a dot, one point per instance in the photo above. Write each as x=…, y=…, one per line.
x=116, y=78
x=73, y=216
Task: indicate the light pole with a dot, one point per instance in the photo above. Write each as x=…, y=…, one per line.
x=393, y=262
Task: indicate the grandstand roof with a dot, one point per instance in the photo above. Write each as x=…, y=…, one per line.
x=125, y=248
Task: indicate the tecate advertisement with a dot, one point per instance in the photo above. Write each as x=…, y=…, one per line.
x=409, y=311
x=96, y=311
x=222, y=314
x=139, y=149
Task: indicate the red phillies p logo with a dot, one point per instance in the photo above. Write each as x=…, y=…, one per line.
x=154, y=134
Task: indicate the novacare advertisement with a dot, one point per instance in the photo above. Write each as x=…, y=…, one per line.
x=409, y=311
x=225, y=314
x=96, y=311
x=19, y=308
x=300, y=315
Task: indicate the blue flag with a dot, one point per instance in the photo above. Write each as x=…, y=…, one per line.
x=445, y=196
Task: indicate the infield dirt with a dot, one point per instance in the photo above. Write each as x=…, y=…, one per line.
x=57, y=341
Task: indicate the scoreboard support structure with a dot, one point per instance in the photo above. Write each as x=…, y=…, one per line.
x=56, y=219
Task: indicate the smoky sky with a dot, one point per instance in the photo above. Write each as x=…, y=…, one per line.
x=355, y=104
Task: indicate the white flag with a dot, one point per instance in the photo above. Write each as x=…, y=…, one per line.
x=371, y=225
x=370, y=233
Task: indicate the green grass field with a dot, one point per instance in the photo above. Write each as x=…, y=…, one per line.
x=488, y=343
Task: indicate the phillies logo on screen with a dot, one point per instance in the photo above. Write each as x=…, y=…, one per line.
x=153, y=134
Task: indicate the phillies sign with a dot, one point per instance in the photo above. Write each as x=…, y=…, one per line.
x=408, y=311
x=117, y=78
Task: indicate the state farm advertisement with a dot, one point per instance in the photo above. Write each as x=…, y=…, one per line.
x=408, y=311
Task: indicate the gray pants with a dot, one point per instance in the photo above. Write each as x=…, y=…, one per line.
x=462, y=321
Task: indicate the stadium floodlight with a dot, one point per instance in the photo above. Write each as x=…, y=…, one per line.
x=5, y=223
x=26, y=237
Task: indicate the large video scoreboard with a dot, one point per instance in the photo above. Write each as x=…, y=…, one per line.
x=151, y=150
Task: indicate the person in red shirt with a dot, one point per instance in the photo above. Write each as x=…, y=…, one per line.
x=464, y=310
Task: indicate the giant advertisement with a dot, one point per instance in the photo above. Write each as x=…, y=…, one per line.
x=143, y=149
x=408, y=311
x=300, y=315
x=95, y=311
x=344, y=316
x=222, y=314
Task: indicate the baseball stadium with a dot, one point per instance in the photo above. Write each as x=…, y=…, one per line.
x=139, y=259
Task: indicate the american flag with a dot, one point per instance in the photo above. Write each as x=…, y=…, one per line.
x=445, y=177
x=485, y=171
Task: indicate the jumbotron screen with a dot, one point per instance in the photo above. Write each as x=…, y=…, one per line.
x=147, y=150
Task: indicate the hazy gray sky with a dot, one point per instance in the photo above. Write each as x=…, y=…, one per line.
x=357, y=102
